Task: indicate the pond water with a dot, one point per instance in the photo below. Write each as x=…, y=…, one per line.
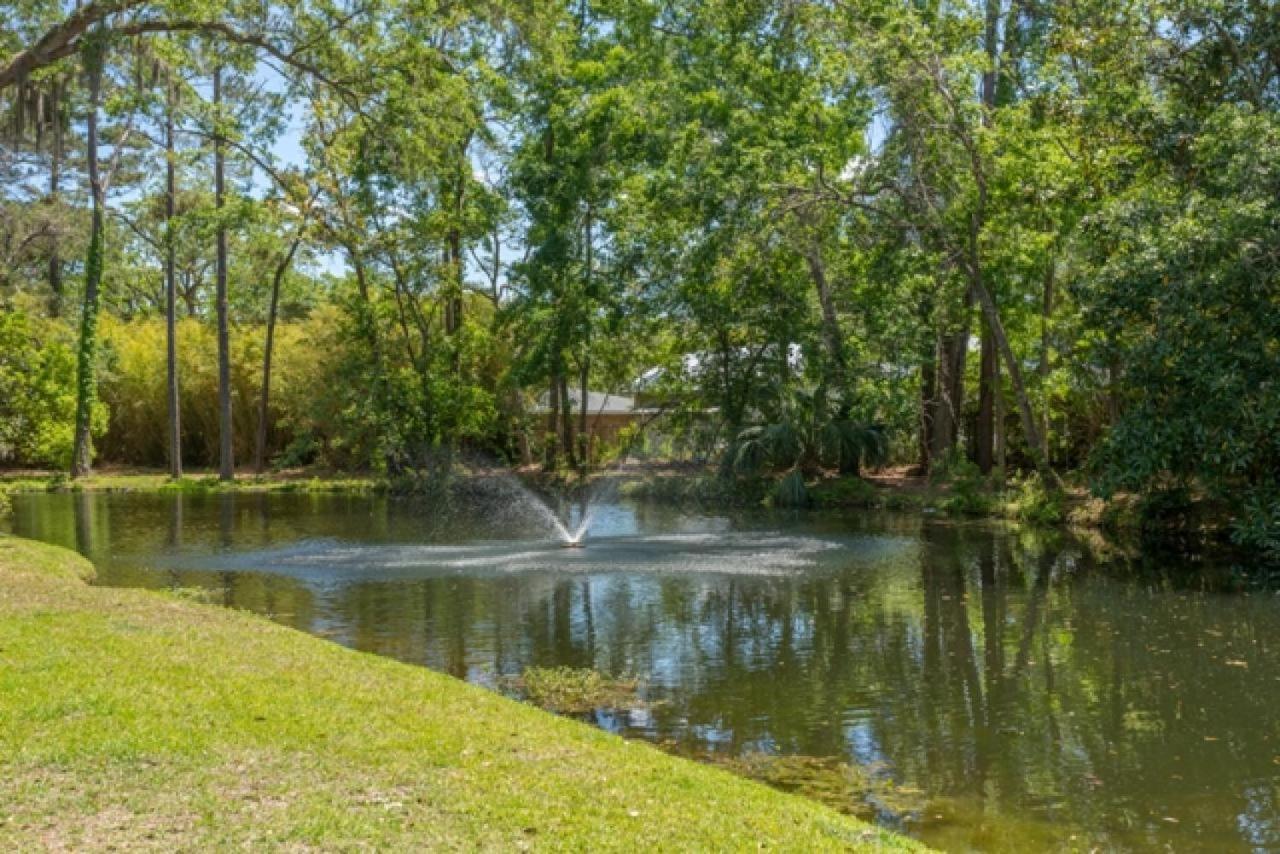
x=980, y=688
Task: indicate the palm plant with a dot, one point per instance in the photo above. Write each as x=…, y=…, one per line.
x=802, y=442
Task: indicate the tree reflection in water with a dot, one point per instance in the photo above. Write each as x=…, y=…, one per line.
x=1033, y=693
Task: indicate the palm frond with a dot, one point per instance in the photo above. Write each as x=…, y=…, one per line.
x=791, y=490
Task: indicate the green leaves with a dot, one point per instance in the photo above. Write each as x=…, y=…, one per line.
x=37, y=392
x=1188, y=300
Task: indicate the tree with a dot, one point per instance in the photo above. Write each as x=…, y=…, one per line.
x=171, y=284
x=1179, y=280
x=86, y=388
x=273, y=310
x=226, y=461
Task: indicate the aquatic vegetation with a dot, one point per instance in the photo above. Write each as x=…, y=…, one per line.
x=575, y=690
x=867, y=792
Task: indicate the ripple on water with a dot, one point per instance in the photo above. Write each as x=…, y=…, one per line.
x=714, y=553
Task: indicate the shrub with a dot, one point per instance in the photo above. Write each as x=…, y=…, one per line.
x=967, y=489
x=1165, y=509
x=790, y=490
x=38, y=391
x=1030, y=500
x=844, y=492
x=699, y=489
x=1258, y=526
x=311, y=405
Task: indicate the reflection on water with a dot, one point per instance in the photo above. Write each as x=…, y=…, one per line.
x=1034, y=695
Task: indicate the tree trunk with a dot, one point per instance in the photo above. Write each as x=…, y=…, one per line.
x=260, y=440
x=831, y=336
x=953, y=350
x=584, y=436
x=566, y=420
x=170, y=292
x=453, y=307
x=1001, y=439
x=584, y=369
x=944, y=408
x=1046, y=314
x=1029, y=426
x=984, y=429
x=226, y=428
x=366, y=317
x=55, y=176
x=367, y=321
x=928, y=405
x=551, y=453
x=86, y=356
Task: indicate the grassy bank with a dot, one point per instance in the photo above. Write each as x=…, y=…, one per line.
x=143, y=480
x=131, y=719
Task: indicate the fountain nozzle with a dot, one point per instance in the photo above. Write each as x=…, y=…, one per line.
x=572, y=544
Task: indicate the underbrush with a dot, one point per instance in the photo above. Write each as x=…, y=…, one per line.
x=1258, y=528
x=846, y=492
x=700, y=489
x=968, y=492
x=1031, y=500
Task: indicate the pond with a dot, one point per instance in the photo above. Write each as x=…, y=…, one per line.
x=980, y=688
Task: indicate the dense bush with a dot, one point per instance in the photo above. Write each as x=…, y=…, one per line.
x=1030, y=500
x=133, y=385
x=1188, y=307
x=967, y=489
x=37, y=391
x=844, y=492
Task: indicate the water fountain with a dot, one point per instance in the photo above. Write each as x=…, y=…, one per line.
x=571, y=535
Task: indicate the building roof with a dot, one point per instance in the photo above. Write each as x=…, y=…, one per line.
x=598, y=403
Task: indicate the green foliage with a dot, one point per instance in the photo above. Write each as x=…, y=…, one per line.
x=700, y=490
x=38, y=391
x=845, y=492
x=1258, y=526
x=1187, y=304
x=805, y=438
x=790, y=490
x=1031, y=500
x=967, y=492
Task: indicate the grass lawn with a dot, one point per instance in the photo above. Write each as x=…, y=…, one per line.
x=131, y=719
x=145, y=480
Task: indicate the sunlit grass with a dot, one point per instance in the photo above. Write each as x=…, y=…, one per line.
x=199, y=482
x=137, y=719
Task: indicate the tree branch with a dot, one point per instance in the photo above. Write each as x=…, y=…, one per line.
x=62, y=40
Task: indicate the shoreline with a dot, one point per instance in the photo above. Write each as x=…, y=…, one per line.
x=140, y=719
x=698, y=486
